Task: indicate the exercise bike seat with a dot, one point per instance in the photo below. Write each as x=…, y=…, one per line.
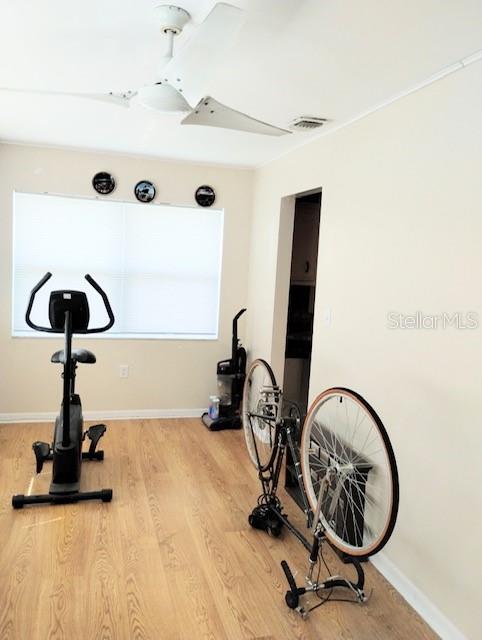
x=78, y=355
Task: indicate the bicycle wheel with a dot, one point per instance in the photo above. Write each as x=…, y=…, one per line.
x=261, y=398
x=346, y=456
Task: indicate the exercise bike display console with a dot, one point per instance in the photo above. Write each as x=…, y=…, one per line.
x=68, y=314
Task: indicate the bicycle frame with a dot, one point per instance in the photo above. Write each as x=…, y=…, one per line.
x=270, y=477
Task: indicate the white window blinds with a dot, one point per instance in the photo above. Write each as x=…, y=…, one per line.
x=160, y=265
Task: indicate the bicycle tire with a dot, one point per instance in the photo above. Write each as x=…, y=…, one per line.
x=323, y=450
x=260, y=434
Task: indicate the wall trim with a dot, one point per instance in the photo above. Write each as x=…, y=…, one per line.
x=125, y=414
x=416, y=599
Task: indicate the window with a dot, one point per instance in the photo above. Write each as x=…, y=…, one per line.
x=160, y=265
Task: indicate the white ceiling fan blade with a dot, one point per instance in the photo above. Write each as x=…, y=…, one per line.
x=211, y=113
x=188, y=70
x=120, y=99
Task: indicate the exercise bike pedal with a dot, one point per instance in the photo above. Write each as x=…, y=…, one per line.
x=95, y=433
x=42, y=451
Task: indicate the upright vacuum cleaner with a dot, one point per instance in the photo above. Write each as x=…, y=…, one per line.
x=224, y=409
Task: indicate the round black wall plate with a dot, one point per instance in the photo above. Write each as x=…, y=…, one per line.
x=145, y=191
x=205, y=196
x=103, y=183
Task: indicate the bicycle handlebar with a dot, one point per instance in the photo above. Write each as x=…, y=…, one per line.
x=93, y=284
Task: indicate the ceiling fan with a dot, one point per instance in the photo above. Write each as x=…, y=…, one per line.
x=180, y=79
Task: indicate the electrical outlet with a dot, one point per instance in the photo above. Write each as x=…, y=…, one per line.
x=124, y=371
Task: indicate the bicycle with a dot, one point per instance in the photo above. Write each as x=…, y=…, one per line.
x=346, y=472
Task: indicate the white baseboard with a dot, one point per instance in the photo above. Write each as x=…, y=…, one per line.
x=416, y=599
x=127, y=414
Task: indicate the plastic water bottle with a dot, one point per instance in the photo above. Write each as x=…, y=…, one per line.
x=213, y=410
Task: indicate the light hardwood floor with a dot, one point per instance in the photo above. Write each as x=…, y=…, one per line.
x=171, y=557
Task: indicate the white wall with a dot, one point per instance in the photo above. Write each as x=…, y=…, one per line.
x=401, y=230
x=164, y=375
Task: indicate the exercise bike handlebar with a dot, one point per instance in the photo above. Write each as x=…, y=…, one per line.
x=33, y=293
x=93, y=283
x=107, y=306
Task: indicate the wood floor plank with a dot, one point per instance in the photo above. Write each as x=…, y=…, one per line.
x=172, y=557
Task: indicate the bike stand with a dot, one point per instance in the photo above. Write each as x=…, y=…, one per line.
x=292, y=596
x=269, y=517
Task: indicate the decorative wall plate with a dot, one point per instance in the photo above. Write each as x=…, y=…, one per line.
x=145, y=191
x=103, y=183
x=205, y=196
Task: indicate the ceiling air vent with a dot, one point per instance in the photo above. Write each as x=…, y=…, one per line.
x=307, y=122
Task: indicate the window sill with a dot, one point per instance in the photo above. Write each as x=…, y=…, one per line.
x=37, y=335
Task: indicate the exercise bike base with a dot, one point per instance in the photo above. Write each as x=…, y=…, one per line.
x=64, y=489
x=20, y=501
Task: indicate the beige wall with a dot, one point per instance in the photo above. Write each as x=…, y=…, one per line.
x=163, y=374
x=401, y=230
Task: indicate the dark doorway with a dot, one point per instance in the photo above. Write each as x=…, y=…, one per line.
x=299, y=334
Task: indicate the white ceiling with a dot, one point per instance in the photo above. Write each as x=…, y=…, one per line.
x=330, y=58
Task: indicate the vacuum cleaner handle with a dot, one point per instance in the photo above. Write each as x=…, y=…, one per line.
x=238, y=315
x=234, y=346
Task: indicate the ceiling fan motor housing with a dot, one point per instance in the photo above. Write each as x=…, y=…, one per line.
x=172, y=19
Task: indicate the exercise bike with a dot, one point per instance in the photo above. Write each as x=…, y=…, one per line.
x=68, y=314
